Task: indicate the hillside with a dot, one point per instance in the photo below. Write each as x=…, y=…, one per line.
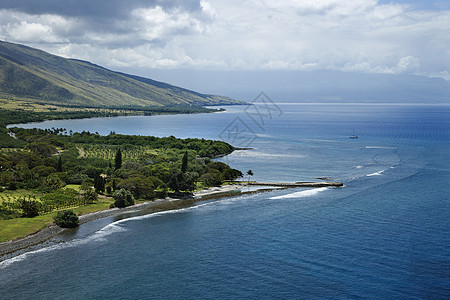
x=34, y=75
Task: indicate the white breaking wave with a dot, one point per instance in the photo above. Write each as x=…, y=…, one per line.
x=307, y=193
x=107, y=230
x=21, y=257
x=376, y=173
x=97, y=236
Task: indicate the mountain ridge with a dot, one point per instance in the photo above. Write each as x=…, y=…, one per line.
x=35, y=75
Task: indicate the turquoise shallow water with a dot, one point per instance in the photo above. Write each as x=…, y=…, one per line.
x=385, y=235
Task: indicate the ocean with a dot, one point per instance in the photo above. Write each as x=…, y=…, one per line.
x=385, y=235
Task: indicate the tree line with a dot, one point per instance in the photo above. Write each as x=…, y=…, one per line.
x=45, y=161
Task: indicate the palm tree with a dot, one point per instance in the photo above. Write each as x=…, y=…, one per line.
x=249, y=173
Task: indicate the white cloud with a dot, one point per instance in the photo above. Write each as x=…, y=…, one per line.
x=34, y=29
x=155, y=23
x=208, y=9
x=346, y=35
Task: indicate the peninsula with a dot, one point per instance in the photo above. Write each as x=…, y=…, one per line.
x=43, y=172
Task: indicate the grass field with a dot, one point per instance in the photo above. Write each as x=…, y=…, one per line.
x=27, y=105
x=21, y=227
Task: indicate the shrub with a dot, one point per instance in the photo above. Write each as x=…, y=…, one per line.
x=32, y=184
x=139, y=186
x=89, y=195
x=12, y=186
x=77, y=178
x=66, y=219
x=123, y=198
x=53, y=182
x=6, y=214
x=30, y=208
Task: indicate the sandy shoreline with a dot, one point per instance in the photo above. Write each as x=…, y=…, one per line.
x=22, y=245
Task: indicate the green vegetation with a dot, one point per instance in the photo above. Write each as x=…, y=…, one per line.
x=123, y=198
x=117, y=160
x=66, y=219
x=36, y=77
x=19, y=227
x=49, y=171
x=43, y=172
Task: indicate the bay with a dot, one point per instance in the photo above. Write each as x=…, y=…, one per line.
x=384, y=235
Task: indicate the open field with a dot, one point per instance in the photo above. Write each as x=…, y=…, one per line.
x=27, y=105
x=21, y=227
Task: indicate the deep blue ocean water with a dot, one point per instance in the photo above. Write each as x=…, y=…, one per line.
x=385, y=235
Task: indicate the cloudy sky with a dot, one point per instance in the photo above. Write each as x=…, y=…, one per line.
x=365, y=36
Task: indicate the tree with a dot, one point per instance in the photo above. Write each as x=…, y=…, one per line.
x=118, y=160
x=89, y=195
x=123, y=198
x=139, y=186
x=42, y=171
x=99, y=184
x=53, y=182
x=249, y=173
x=59, y=166
x=30, y=208
x=212, y=178
x=232, y=174
x=174, y=182
x=41, y=148
x=66, y=219
x=184, y=162
x=187, y=182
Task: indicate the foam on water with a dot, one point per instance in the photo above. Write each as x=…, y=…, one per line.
x=379, y=172
x=307, y=193
x=100, y=235
x=96, y=237
x=376, y=173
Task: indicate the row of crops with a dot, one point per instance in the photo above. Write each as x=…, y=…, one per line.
x=12, y=206
x=108, y=152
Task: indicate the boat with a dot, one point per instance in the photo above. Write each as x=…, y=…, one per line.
x=354, y=137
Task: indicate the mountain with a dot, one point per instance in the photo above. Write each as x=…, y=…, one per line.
x=31, y=74
x=312, y=86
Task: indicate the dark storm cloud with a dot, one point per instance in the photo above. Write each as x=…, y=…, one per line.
x=93, y=8
x=92, y=21
x=367, y=36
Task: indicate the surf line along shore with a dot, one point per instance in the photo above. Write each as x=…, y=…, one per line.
x=34, y=241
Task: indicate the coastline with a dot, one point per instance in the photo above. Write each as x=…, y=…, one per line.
x=22, y=245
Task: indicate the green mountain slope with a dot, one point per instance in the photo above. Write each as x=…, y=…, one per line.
x=31, y=74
